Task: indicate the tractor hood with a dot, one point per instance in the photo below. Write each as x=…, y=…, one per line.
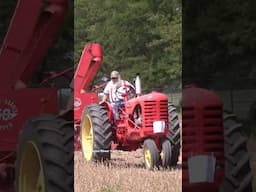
x=195, y=96
x=153, y=96
x=88, y=66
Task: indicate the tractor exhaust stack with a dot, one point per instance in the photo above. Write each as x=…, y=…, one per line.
x=138, y=85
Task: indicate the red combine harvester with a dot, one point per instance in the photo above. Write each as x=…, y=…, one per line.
x=145, y=121
x=36, y=151
x=214, y=154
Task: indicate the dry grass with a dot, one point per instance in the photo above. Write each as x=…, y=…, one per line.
x=125, y=173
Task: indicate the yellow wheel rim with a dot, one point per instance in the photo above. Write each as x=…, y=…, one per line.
x=31, y=173
x=162, y=154
x=148, y=158
x=87, y=138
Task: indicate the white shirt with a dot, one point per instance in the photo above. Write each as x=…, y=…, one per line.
x=114, y=92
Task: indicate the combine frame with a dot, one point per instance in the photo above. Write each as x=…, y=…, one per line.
x=31, y=32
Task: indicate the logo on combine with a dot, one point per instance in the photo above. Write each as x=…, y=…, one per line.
x=77, y=103
x=8, y=111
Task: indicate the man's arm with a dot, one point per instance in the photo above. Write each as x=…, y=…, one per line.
x=104, y=99
x=106, y=93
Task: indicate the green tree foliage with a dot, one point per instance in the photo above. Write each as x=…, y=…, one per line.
x=219, y=46
x=137, y=36
x=219, y=39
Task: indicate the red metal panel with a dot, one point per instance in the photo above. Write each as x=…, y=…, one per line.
x=81, y=101
x=18, y=106
x=88, y=66
x=33, y=28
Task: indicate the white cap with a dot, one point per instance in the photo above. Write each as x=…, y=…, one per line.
x=114, y=74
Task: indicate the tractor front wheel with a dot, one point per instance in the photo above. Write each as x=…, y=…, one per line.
x=45, y=156
x=151, y=154
x=96, y=133
x=166, y=153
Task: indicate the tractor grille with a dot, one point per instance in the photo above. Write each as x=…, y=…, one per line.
x=213, y=130
x=202, y=133
x=153, y=111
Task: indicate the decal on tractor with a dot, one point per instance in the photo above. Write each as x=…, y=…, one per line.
x=8, y=111
x=77, y=103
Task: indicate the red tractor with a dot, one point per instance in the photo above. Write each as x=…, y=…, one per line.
x=214, y=153
x=145, y=121
x=36, y=151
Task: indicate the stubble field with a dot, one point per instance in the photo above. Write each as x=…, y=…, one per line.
x=124, y=173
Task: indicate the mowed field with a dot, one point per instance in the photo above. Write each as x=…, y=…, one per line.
x=124, y=173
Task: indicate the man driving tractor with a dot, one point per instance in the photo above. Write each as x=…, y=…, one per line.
x=115, y=90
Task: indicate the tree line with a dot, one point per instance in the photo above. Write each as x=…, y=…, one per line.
x=137, y=36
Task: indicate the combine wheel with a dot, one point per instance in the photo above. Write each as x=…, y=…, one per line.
x=96, y=133
x=45, y=156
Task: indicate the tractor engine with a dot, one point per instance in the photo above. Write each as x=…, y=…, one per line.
x=155, y=109
x=147, y=116
x=203, y=141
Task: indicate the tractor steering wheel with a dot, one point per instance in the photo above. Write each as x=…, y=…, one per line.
x=123, y=91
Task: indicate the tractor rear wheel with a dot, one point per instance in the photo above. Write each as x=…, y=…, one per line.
x=174, y=134
x=96, y=133
x=166, y=153
x=238, y=176
x=45, y=156
x=151, y=154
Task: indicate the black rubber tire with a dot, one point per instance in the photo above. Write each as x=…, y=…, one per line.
x=167, y=153
x=174, y=134
x=54, y=139
x=154, y=153
x=238, y=176
x=102, y=131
